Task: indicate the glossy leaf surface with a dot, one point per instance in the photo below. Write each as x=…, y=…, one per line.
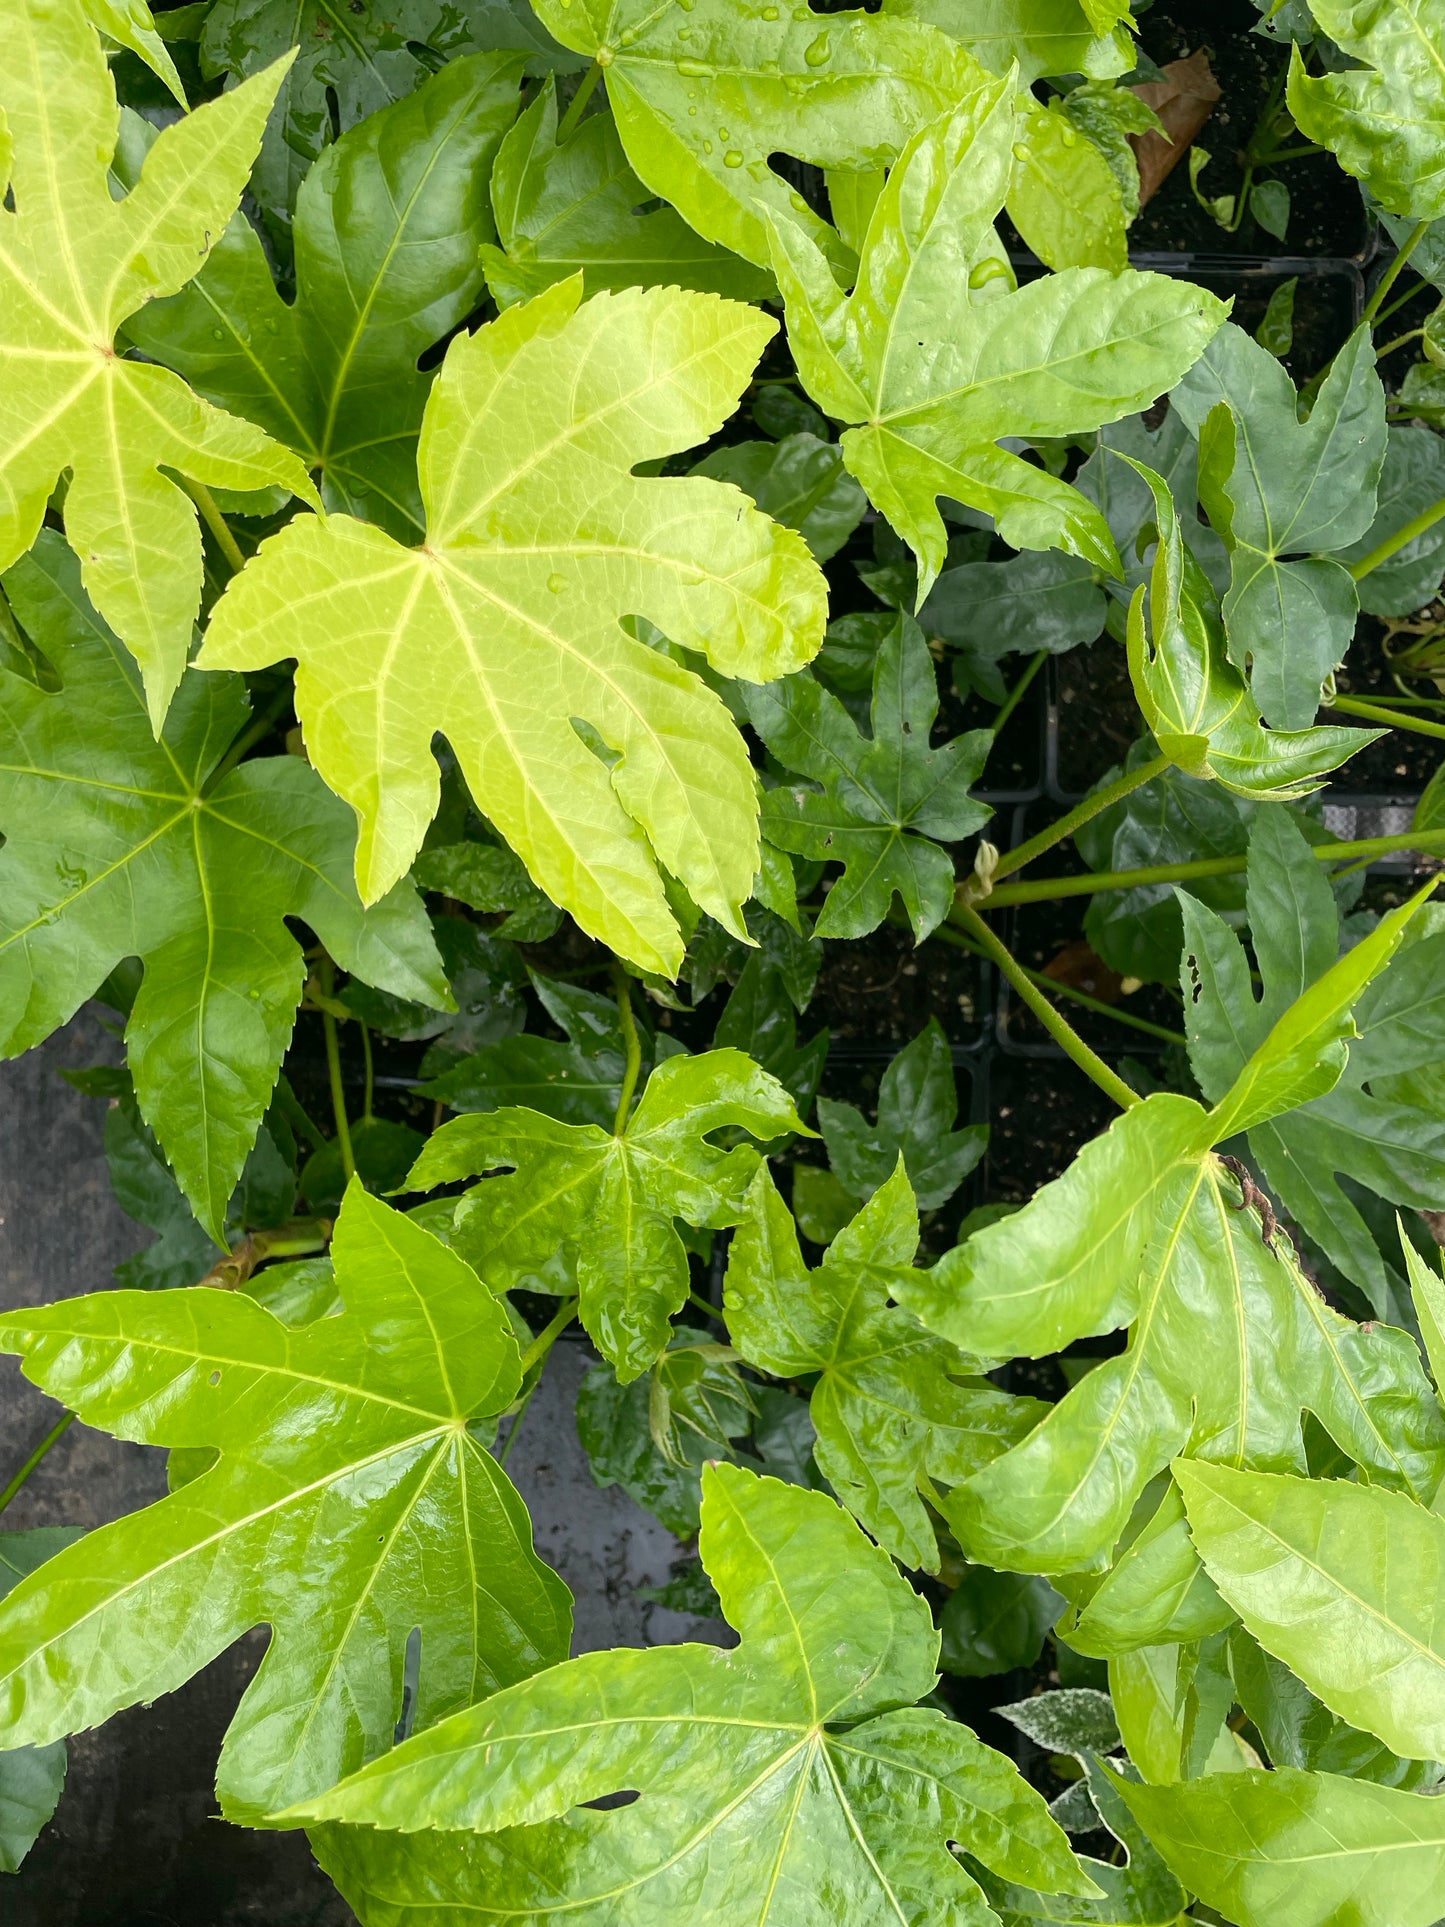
x=1041, y=36
x=773, y=1777
x=118, y=845
x=1379, y=1126
x=939, y=356
x=506, y=624
x=31, y=1777
x=892, y=1402
x=67, y=401
x=591, y=1211
x=1344, y=1583
x=1383, y=117
x=881, y=800
x=349, y=1502
x=1309, y=1848
x=387, y=228
x=1230, y=1342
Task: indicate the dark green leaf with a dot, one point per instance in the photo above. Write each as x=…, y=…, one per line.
x=917, y=1105
x=800, y=481
x=993, y=1622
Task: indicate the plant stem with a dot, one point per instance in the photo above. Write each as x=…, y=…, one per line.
x=549, y=1334
x=1400, y=301
x=517, y=1417
x=702, y=1303
x=333, y=1072
x=1391, y=275
x=1016, y=695
x=369, y=1087
x=1082, y=997
x=1091, y=806
x=1050, y=889
x=634, y=1048
x=216, y=523
x=258, y=727
x=65, y=1420
x=579, y=101
x=1400, y=341
x=1402, y=538
x=1062, y=1032
x=1392, y=718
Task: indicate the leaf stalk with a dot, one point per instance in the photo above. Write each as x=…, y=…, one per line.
x=61, y=1425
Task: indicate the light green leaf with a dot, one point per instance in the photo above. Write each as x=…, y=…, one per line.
x=1344, y=1583
x=1427, y=1292
x=1384, y=118
x=1230, y=1342
x=506, y=624
x=121, y=846
x=350, y=1502
x=940, y=357
x=1309, y=1848
x=353, y=59
x=67, y=401
x=1195, y=701
x=592, y=1211
x=1278, y=488
x=130, y=24
x=917, y=1105
x=31, y=1777
x=1380, y=1125
x=1156, y=1591
x=881, y=799
x=845, y=90
x=892, y=1405
x=1040, y=36
x=570, y=206
x=800, y=481
x=773, y=1782
x=1064, y=197
x=388, y=224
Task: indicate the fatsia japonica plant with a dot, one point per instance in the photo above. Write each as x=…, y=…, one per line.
x=720, y=744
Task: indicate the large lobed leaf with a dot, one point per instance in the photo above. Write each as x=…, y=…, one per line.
x=388, y=225
x=936, y=356
x=1380, y=1126
x=1230, y=1343
x=505, y=626
x=791, y=1779
x=1385, y=116
x=593, y=1211
x=348, y=1501
x=74, y=264
x=118, y=846
x=892, y=1404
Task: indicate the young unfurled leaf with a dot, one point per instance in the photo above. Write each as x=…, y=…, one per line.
x=892, y=1404
x=1343, y=1583
x=882, y=798
x=800, y=481
x=1308, y=1848
x=1413, y=477
x=1384, y=117
x=1230, y=1342
x=31, y=1777
x=506, y=625
x=1197, y=704
x=592, y=1211
x=350, y=1502
x=614, y=1423
x=121, y=846
x=917, y=1105
x=1277, y=488
x=774, y=1784
x=1381, y=1123
x=1040, y=36
x=937, y=356
x=353, y=58
x=67, y=401
x=388, y=224
x=1126, y=499
x=570, y=206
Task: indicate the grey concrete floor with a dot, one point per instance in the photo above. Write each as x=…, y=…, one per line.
x=135, y=1842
